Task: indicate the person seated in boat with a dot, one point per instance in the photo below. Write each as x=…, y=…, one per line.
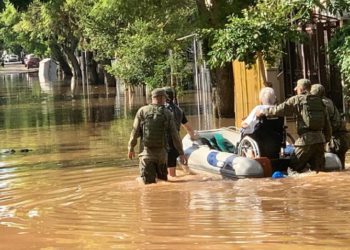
x=267, y=98
x=268, y=132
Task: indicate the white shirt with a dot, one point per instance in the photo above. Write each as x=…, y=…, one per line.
x=251, y=119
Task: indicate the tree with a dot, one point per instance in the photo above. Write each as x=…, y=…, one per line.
x=8, y=19
x=21, y=4
x=139, y=34
x=262, y=29
x=60, y=27
x=97, y=27
x=28, y=30
x=339, y=48
x=213, y=16
x=53, y=26
x=260, y=32
x=143, y=55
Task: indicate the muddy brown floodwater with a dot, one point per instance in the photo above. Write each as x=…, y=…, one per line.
x=76, y=189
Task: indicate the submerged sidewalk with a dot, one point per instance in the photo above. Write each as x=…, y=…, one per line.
x=15, y=68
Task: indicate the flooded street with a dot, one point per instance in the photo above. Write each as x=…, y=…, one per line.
x=66, y=183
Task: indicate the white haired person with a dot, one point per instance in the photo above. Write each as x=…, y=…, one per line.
x=267, y=99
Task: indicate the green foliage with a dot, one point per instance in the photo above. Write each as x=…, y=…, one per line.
x=21, y=4
x=59, y=23
x=139, y=34
x=213, y=14
x=45, y=24
x=8, y=18
x=260, y=31
x=337, y=6
x=30, y=30
x=339, y=48
x=143, y=56
x=99, y=23
x=263, y=29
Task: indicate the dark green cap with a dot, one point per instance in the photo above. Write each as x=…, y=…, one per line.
x=317, y=89
x=158, y=92
x=304, y=83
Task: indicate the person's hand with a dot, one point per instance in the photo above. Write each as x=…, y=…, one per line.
x=259, y=113
x=131, y=154
x=194, y=136
x=183, y=159
x=244, y=124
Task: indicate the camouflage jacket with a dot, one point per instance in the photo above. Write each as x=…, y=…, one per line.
x=337, y=122
x=293, y=106
x=137, y=132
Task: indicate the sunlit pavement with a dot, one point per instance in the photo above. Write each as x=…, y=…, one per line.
x=15, y=67
x=9, y=63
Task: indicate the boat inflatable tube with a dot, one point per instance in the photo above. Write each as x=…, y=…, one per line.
x=247, y=167
x=332, y=162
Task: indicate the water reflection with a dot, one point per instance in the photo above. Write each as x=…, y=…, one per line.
x=75, y=189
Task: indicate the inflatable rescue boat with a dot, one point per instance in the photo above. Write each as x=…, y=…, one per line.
x=223, y=151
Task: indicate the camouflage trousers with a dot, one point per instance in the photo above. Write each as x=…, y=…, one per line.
x=309, y=154
x=339, y=144
x=150, y=169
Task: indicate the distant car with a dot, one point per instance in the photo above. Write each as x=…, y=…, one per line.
x=33, y=62
x=11, y=58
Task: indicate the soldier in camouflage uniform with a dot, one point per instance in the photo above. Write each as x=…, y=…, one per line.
x=339, y=143
x=154, y=123
x=180, y=120
x=313, y=126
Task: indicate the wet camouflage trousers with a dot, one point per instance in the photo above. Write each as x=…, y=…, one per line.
x=150, y=169
x=309, y=154
x=339, y=144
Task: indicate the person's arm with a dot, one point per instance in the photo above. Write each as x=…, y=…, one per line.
x=327, y=129
x=250, y=118
x=176, y=140
x=284, y=109
x=186, y=125
x=190, y=131
x=135, y=133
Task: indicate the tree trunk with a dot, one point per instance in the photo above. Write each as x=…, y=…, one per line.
x=74, y=61
x=83, y=66
x=59, y=57
x=100, y=74
x=215, y=16
x=224, y=98
x=109, y=79
x=91, y=68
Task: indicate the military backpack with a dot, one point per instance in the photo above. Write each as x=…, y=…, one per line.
x=313, y=112
x=154, y=127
